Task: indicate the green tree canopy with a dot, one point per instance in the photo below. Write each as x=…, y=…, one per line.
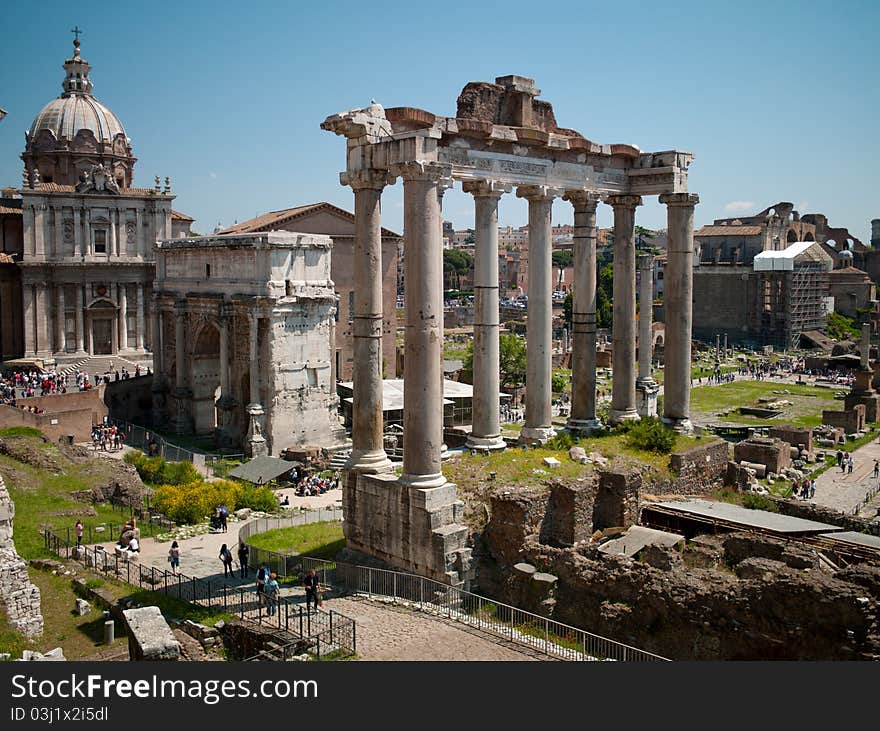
x=455, y=263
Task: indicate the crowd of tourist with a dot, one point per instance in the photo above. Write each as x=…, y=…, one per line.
x=29, y=383
x=312, y=485
x=107, y=438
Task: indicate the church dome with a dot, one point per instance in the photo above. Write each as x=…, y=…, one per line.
x=75, y=131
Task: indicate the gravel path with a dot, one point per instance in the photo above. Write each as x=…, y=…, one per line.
x=388, y=633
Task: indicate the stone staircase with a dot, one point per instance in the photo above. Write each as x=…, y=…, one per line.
x=101, y=364
x=339, y=459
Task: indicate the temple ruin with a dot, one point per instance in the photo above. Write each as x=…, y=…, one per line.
x=501, y=138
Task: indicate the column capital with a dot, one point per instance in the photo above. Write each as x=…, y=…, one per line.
x=680, y=199
x=624, y=201
x=226, y=311
x=486, y=188
x=180, y=308
x=424, y=170
x=539, y=192
x=644, y=261
x=368, y=178
x=585, y=200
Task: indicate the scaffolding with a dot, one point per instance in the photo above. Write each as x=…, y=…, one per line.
x=789, y=303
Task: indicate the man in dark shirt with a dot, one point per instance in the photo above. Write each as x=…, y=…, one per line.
x=312, y=585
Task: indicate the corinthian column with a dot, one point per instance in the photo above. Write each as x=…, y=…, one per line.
x=123, y=316
x=678, y=297
x=623, y=325
x=645, y=385
x=583, y=314
x=422, y=375
x=60, y=320
x=486, y=430
x=368, y=451
x=538, y=426
x=140, y=316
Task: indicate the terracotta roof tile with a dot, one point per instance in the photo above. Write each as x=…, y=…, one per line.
x=729, y=231
x=271, y=221
x=178, y=216
x=59, y=188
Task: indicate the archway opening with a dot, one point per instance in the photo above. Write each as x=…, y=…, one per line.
x=205, y=379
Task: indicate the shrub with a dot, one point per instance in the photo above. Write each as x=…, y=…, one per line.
x=650, y=435
x=158, y=471
x=758, y=502
x=20, y=431
x=179, y=473
x=558, y=383
x=563, y=441
x=193, y=501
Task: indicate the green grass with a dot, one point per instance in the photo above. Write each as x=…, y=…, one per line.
x=808, y=403
x=20, y=431
x=316, y=540
x=10, y=640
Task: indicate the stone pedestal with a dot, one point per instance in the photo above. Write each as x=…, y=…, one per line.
x=646, y=395
x=181, y=416
x=409, y=528
x=255, y=443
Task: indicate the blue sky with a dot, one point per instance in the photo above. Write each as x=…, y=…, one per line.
x=778, y=100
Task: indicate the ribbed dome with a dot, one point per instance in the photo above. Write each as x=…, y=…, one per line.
x=67, y=115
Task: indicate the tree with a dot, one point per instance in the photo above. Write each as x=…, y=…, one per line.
x=455, y=263
x=567, y=308
x=643, y=240
x=604, y=293
x=512, y=351
x=563, y=258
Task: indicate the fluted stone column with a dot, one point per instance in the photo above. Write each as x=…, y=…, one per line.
x=367, y=432
x=123, y=316
x=79, y=301
x=422, y=377
x=538, y=427
x=60, y=321
x=30, y=320
x=679, y=280
x=40, y=230
x=583, y=316
x=181, y=419
x=623, y=391
x=180, y=347
x=139, y=237
x=58, y=236
x=78, y=245
x=140, y=316
x=486, y=421
x=646, y=387
x=44, y=347
x=114, y=246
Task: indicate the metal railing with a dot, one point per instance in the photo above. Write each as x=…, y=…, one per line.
x=296, y=626
x=510, y=623
x=207, y=463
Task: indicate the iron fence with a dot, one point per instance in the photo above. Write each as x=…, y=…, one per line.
x=309, y=630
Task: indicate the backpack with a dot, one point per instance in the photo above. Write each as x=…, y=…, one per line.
x=261, y=574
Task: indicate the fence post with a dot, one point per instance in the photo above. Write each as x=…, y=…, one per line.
x=193, y=587
x=300, y=621
x=286, y=625
x=331, y=626
x=394, y=585
x=224, y=597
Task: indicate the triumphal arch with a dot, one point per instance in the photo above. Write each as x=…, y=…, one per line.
x=502, y=138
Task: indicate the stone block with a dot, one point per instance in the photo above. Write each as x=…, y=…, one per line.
x=82, y=607
x=578, y=454
x=551, y=462
x=149, y=636
x=774, y=454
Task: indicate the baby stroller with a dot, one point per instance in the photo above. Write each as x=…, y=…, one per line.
x=216, y=523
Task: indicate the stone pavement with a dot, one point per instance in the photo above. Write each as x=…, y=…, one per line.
x=846, y=492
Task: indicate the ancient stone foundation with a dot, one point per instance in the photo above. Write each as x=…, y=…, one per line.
x=20, y=597
x=411, y=529
x=774, y=454
x=851, y=420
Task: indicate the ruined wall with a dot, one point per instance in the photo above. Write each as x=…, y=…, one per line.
x=697, y=471
x=772, y=453
x=20, y=597
x=721, y=303
x=76, y=422
x=794, y=436
x=617, y=500
x=851, y=420
x=130, y=400
x=568, y=517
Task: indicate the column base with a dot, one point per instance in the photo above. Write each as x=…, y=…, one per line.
x=682, y=425
x=583, y=426
x=420, y=482
x=536, y=434
x=646, y=392
x=618, y=416
x=256, y=446
x=485, y=444
x=369, y=462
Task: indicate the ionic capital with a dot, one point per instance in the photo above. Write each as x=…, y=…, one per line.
x=486, y=188
x=539, y=192
x=624, y=201
x=680, y=199
x=584, y=201
x=368, y=178
x=424, y=171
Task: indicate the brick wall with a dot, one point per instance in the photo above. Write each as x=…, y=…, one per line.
x=851, y=420
x=66, y=414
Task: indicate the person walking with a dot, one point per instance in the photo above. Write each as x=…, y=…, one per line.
x=812, y=488
x=262, y=578
x=79, y=531
x=849, y=465
x=839, y=458
x=312, y=588
x=174, y=557
x=226, y=558
x=243, y=556
x=876, y=468
x=271, y=591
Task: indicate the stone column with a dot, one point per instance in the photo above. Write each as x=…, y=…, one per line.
x=78, y=249
x=678, y=299
x=181, y=418
x=88, y=247
x=121, y=234
x=30, y=320
x=422, y=377
x=486, y=421
x=224, y=355
x=123, y=316
x=80, y=300
x=114, y=246
x=139, y=232
x=158, y=354
x=367, y=432
x=40, y=230
x=646, y=387
x=44, y=347
x=583, y=316
x=58, y=236
x=60, y=321
x=140, y=316
x=255, y=441
x=623, y=325
x=538, y=426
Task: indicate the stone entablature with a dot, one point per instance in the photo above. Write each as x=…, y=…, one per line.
x=248, y=316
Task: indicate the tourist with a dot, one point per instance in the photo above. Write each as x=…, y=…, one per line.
x=795, y=489
x=79, y=532
x=876, y=468
x=223, y=512
x=243, y=557
x=812, y=488
x=174, y=557
x=226, y=558
x=312, y=589
x=262, y=576
x=849, y=465
x=271, y=591
x=839, y=458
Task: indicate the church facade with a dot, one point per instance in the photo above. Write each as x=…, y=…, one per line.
x=86, y=261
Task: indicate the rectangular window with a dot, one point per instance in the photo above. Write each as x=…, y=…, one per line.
x=207, y=271
x=312, y=375
x=100, y=242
